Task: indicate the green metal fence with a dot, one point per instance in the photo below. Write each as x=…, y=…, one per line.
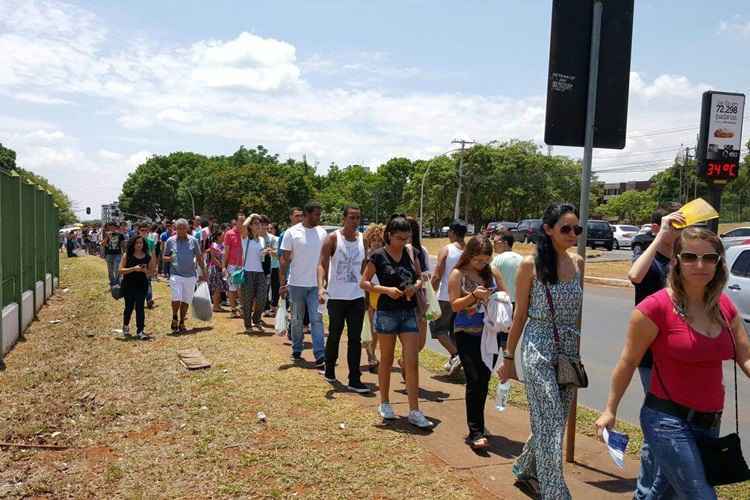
x=28, y=239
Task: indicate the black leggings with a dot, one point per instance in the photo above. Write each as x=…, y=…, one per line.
x=135, y=298
x=275, y=286
x=477, y=380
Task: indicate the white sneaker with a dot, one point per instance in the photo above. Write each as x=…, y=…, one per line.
x=125, y=331
x=453, y=364
x=385, y=410
x=418, y=419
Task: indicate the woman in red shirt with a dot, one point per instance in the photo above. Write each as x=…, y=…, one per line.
x=691, y=327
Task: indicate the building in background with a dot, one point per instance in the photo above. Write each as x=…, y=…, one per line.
x=616, y=188
x=110, y=213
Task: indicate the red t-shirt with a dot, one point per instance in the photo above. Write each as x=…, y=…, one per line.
x=688, y=362
x=233, y=241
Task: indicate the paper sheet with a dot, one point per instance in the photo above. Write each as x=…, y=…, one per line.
x=616, y=444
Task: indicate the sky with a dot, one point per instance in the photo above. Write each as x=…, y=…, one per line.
x=91, y=89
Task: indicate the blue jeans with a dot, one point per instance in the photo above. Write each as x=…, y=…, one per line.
x=672, y=441
x=306, y=298
x=648, y=470
x=113, y=268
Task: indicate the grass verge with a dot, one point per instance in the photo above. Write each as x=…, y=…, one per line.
x=138, y=425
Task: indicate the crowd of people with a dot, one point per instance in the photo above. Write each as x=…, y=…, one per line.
x=377, y=278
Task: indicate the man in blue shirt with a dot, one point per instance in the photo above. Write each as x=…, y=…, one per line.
x=183, y=252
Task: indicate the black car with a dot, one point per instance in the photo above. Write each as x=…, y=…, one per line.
x=642, y=241
x=528, y=231
x=600, y=234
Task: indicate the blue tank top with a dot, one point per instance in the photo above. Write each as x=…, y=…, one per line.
x=472, y=319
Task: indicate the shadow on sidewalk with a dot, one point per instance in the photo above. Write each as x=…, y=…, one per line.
x=456, y=379
x=339, y=388
x=302, y=363
x=255, y=334
x=402, y=426
x=501, y=447
x=433, y=396
x=615, y=485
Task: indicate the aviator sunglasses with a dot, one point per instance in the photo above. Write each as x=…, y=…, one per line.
x=568, y=228
x=692, y=258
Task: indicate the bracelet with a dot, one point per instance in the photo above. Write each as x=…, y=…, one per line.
x=507, y=355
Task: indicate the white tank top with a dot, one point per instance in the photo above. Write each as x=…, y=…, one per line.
x=454, y=253
x=345, y=268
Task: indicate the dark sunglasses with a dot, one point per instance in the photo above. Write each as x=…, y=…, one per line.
x=568, y=228
x=707, y=258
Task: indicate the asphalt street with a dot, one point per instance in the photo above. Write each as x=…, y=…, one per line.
x=606, y=311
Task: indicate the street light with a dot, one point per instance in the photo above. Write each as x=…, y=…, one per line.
x=192, y=201
x=463, y=143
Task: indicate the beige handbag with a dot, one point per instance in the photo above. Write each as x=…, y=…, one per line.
x=570, y=371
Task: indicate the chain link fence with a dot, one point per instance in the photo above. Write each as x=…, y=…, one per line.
x=29, y=253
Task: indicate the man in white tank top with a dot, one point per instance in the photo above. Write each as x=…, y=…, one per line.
x=442, y=328
x=342, y=260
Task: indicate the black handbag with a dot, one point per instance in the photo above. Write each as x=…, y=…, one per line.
x=570, y=371
x=722, y=457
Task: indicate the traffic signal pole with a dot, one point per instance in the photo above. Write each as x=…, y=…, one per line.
x=588, y=150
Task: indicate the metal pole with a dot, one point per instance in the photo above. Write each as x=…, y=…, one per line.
x=588, y=149
x=3, y=179
x=456, y=208
x=192, y=201
x=421, y=198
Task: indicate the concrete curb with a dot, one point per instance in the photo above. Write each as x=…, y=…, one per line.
x=595, y=280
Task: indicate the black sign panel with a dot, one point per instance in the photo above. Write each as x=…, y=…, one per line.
x=568, y=80
x=720, y=140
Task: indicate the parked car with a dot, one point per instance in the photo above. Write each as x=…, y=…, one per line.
x=642, y=241
x=738, y=284
x=624, y=235
x=528, y=231
x=735, y=237
x=492, y=226
x=444, y=231
x=645, y=229
x=600, y=234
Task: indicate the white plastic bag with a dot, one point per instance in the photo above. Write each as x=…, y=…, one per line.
x=433, y=306
x=366, y=329
x=202, y=307
x=281, y=323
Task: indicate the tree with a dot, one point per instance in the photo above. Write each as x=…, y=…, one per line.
x=7, y=158
x=65, y=214
x=634, y=207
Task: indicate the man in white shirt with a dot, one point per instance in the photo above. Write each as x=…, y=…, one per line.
x=301, y=245
x=342, y=260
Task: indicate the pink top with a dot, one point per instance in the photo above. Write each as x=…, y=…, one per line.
x=688, y=362
x=233, y=241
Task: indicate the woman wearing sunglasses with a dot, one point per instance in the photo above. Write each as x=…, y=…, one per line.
x=556, y=273
x=690, y=327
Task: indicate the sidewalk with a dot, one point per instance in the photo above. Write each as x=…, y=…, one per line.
x=593, y=475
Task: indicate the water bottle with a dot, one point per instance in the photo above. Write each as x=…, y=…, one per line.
x=501, y=397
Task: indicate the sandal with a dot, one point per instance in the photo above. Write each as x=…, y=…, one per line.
x=480, y=443
x=182, y=328
x=175, y=327
x=374, y=367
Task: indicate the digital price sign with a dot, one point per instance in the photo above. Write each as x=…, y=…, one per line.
x=720, y=141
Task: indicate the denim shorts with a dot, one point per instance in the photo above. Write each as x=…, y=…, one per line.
x=395, y=322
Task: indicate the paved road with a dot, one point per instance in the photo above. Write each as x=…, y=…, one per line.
x=605, y=316
x=614, y=255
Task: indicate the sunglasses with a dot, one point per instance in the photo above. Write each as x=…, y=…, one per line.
x=692, y=258
x=567, y=228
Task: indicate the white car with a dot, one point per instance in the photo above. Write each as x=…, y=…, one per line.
x=734, y=237
x=624, y=235
x=738, y=285
x=646, y=228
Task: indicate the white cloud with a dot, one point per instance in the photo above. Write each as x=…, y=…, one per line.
x=735, y=27
x=39, y=98
x=45, y=136
x=666, y=86
x=105, y=154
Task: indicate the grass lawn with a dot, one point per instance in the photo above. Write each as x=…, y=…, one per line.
x=138, y=425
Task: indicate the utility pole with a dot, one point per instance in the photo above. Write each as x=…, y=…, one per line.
x=457, y=207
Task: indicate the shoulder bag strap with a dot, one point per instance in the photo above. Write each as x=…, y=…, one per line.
x=551, y=305
x=734, y=362
x=247, y=251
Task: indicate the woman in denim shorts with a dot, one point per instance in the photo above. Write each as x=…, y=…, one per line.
x=398, y=282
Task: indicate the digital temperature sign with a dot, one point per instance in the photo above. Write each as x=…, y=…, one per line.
x=720, y=139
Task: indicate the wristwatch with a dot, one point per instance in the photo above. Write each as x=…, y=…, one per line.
x=507, y=355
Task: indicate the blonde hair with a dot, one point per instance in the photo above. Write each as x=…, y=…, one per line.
x=712, y=294
x=374, y=233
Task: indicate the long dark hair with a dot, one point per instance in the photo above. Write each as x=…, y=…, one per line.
x=131, y=246
x=546, y=255
x=476, y=246
x=416, y=242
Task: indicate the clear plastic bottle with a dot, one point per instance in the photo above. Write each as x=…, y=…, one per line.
x=501, y=397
